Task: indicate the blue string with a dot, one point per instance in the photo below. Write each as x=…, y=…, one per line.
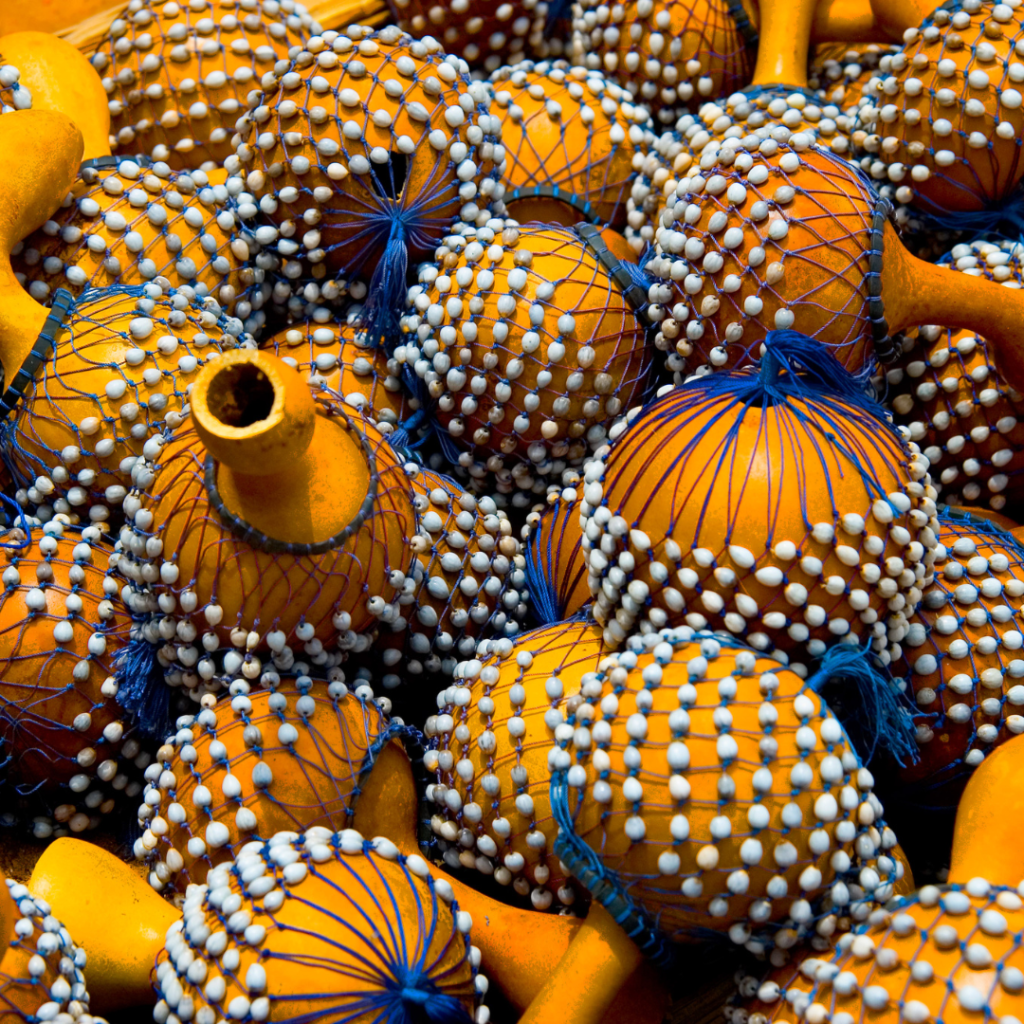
x=141, y=687
x=23, y=522
x=386, y=295
x=883, y=717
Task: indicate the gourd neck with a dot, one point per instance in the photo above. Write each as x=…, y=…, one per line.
x=784, y=38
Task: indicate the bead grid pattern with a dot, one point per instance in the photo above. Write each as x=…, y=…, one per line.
x=268, y=761
x=836, y=549
x=179, y=74
x=68, y=754
x=114, y=380
x=624, y=796
x=962, y=650
x=362, y=933
x=551, y=350
x=791, y=240
x=947, y=952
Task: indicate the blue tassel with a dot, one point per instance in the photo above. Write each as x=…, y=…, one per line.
x=884, y=718
x=794, y=366
x=544, y=605
x=386, y=296
x=1002, y=217
x=399, y=438
x=415, y=999
x=141, y=689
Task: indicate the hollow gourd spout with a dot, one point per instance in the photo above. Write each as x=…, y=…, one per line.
x=986, y=837
x=917, y=292
x=784, y=41
x=40, y=151
x=295, y=474
x=111, y=912
x=337, y=14
x=60, y=78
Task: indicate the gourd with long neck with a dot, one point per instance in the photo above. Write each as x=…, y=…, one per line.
x=273, y=515
x=894, y=17
x=533, y=958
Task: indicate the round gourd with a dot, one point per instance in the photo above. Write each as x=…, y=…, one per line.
x=779, y=506
x=688, y=781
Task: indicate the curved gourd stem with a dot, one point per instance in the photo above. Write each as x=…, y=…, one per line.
x=986, y=837
x=915, y=292
x=86, y=31
x=40, y=151
x=60, y=78
x=523, y=950
x=784, y=38
x=53, y=15
x=896, y=16
x=846, y=21
x=112, y=913
x=293, y=475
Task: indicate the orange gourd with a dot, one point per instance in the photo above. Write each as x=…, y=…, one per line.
x=268, y=761
x=668, y=53
x=688, y=782
x=340, y=357
x=949, y=952
x=376, y=145
x=947, y=392
x=764, y=504
x=572, y=140
x=40, y=967
x=791, y=236
x=338, y=924
x=49, y=15
x=961, y=653
x=91, y=381
x=178, y=75
x=465, y=583
x=270, y=526
x=486, y=35
x=69, y=753
x=528, y=348
x=136, y=225
x=947, y=124
x=556, y=568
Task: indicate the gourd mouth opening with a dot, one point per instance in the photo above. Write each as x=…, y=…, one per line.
x=240, y=395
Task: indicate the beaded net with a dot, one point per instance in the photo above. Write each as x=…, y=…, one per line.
x=690, y=784
x=946, y=390
x=377, y=144
x=489, y=34
x=949, y=952
x=67, y=755
x=339, y=356
x=465, y=582
x=13, y=95
x=779, y=236
x=961, y=655
x=669, y=54
x=778, y=506
x=108, y=375
x=228, y=584
x=137, y=224
x=42, y=976
x=572, y=139
x=556, y=569
x=179, y=74
x=843, y=73
x=322, y=926
x=252, y=766
x=551, y=348
x=946, y=122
